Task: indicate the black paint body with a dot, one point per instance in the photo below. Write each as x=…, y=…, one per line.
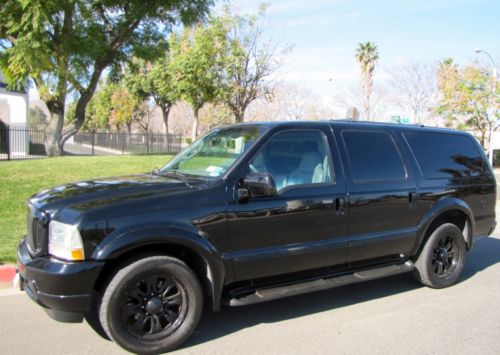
x=231, y=244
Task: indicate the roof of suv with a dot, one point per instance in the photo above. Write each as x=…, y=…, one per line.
x=347, y=122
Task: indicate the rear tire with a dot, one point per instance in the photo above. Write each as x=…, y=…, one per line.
x=442, y=259
x=152, y=305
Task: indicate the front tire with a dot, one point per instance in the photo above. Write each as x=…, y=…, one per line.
x=152, y=305
x=442, y=259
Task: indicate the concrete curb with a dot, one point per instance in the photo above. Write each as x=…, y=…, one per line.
x=8, y=276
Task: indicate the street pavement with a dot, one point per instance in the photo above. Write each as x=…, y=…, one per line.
x=389, y=316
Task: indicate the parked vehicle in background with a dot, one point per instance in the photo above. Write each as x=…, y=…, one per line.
x=255, y=212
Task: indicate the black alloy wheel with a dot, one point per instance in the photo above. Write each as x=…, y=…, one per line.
x=155, y=305
x=151, y=305
x=442, y=258
x=445, y=256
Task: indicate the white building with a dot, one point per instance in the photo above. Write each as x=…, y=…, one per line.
x=14, y=113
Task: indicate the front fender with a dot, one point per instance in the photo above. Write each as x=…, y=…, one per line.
x=120, y=242
x=441, y=206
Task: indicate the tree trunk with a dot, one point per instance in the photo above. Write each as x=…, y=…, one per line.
x=238, y=116
x=81, y=107
x=165, y=112
x=53, y=133
x=366, y=103
x=129, y=128
x=194, y=133
x=490, y=136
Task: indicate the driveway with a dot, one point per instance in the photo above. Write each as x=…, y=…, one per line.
x=389, y=316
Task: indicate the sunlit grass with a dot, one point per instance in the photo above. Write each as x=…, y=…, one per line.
x=21, y=179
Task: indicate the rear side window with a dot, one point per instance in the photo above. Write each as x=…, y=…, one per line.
x=373, y=156
x=444, y=156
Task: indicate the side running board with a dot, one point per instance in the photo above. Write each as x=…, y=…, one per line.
x=268, y=294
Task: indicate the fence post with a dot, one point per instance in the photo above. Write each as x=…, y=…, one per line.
x=8, y=142
x=147, y=143
x=93, y=142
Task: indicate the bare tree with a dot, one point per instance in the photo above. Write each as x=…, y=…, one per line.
x=181, y=119
x=253, y=56
x=142, y=117
x=346, y=99
x=289, y=102
x=412, y=88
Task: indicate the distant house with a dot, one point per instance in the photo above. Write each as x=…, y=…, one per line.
x=14, y=113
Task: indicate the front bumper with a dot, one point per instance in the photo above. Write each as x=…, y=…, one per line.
x=64, y=289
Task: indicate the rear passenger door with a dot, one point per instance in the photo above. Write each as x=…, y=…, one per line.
x=381, y=192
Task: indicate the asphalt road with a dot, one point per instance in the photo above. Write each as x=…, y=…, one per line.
x=388, y=316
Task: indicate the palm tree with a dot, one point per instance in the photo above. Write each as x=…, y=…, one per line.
x=367, y=56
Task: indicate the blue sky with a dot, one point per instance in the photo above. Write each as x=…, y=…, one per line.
x=324, y=35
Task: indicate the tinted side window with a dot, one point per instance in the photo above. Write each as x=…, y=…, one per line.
x=295, y=158
x=444, y=156
x=373, y=156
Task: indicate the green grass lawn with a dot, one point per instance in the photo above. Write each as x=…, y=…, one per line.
x=21, y=179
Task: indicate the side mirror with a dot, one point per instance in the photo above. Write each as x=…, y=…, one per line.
x=260, y=184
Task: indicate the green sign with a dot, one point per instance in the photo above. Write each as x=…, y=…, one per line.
x=399, y=119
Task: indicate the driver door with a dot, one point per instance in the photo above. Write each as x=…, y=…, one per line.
x=304, y=225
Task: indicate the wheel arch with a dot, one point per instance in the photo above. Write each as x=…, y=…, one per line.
x=446, y=210
x=193, y=249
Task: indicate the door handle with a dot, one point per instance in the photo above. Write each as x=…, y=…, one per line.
x=339, y=205
x=412, y=196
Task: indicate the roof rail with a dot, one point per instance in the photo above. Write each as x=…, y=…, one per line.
x=376, y=122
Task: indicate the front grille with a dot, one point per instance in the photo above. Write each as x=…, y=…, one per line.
x=36, y=232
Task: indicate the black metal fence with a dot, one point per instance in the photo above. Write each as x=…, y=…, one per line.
x=20, y=142
x=123, y=143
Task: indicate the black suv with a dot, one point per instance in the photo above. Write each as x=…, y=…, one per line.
x=251, y=213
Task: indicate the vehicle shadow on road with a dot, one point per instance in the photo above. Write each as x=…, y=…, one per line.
x=486, y=253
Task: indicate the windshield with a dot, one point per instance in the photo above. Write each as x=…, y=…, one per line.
x=214, y=153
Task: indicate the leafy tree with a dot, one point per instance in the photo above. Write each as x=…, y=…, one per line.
x=215, y=115
x=99, y=109
x=249, y=61
x=125, y=107
x=197, y=62
x=38, y=119
x=155, y=81
x=468, y=99
x=367, y=57
x=65, y=46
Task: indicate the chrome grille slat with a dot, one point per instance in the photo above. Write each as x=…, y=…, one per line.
x=29, y=231
x=36, y=232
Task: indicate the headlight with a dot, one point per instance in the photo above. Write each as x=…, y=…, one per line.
x=65, y=241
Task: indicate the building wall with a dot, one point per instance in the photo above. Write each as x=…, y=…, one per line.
x=495, y=140
x=14, y=112
x=14, y=108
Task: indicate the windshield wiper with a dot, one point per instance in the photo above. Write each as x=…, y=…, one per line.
x=173, y=173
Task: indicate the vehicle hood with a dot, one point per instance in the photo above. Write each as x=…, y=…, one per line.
x=93, y=194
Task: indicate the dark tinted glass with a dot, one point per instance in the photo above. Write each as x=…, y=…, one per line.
x=442, y=155
x=373, y=156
